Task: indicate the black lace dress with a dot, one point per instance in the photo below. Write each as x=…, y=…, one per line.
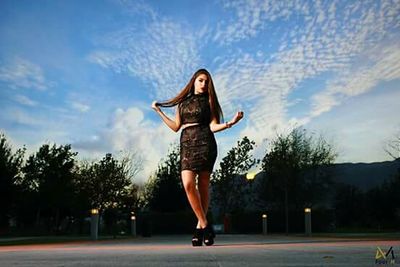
x=198, y=148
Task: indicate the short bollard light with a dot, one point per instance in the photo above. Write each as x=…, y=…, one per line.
x=264, y=223
x=133, y=224
x=94, y=223
x=94, y=211
x=307, y=221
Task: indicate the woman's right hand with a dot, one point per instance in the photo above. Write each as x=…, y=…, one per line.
x=238, y=116
x=155, y=107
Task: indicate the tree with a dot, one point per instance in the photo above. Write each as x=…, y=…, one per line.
x=132, y=164
x=103, y=183
x=10, y=172
x=228, y=182
x=393, y=147
x=384, y=200
x=350, y=206
x=294, y=167
x=164, y=191
x=49, y=175
x=107, y=185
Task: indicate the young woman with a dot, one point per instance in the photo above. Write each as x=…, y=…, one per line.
x=199, y=115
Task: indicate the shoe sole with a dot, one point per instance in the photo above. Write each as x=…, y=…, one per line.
x=210, y=243
x=195, y=244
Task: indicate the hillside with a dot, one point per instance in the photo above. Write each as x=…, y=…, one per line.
x=365, y=175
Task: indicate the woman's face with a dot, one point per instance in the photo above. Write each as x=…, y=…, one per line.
x=201, y=84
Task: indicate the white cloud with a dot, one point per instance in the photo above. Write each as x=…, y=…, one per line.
x=319, y=38
x=252, y=17
x=80, y=107
x=362, y=125
x=24, y=100
x=330, y=40
x=386, y=67
x=162, y=53
x=129, y=131
x=21, y=117
x=21, y=73
x=137, y=7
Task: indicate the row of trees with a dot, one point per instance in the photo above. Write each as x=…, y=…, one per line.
x=51, y=186
x=50, y=190
x=294, y=175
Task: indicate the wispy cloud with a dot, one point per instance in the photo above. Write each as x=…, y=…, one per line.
x=80, y=106
x=317, y=38
x=361, y=126
x=332, y=35
x=251, y=17
x=353, y=82
x=137, y=7
x=284, y=63
x=94, y=145
x=162, y=53
x=24, y=100
x=21, y=73
x=19, y=116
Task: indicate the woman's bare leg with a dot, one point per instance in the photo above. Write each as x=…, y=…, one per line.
x=189, y=183
x=203, y=186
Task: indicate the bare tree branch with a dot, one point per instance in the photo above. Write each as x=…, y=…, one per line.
x=392, y=147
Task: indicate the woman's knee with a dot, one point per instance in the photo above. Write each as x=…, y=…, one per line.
x=189, y=186
x=188, y=181
x=204, y=180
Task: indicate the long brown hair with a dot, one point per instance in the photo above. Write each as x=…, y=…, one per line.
x=189, y=89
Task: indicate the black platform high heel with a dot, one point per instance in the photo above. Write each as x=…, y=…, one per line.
x=209, y=235
x=197, y=239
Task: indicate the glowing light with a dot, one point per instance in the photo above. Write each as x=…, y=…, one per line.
x=94, y=211
x=250, y=175
x=307, y=210
x=264, y=215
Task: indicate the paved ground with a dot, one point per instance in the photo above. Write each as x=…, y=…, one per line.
x=229, y=250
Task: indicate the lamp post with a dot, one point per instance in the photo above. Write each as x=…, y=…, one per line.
x=307, y=221
x=133, y=224
x=94, y=223
x=264, y=223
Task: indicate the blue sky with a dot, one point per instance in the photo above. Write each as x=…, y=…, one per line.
x=85, y=72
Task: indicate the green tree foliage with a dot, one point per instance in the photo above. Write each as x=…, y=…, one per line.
x=377, y=208
x=229, y=182
x=350, y=206
x=51, y=190
x=105, y=183
x=132, y=164
x=383, y=205
x=164, y=191
x=293, y=167
x=49, y=176
x=108, y=186
x=10, y=173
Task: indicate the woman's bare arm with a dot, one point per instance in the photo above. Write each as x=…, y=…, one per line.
x=216, y=127
x=174, y=125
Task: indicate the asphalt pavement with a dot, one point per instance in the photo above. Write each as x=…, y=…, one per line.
x=228, y=250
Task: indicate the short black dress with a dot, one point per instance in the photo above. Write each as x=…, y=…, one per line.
x=198, y=148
